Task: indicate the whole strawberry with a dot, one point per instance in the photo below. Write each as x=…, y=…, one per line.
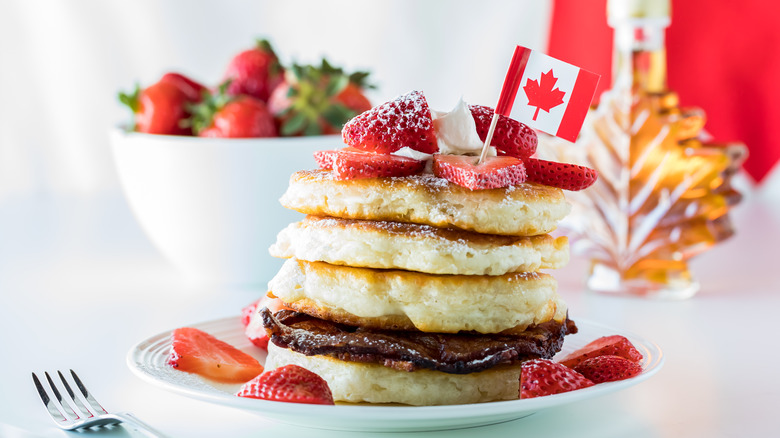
x=221, y=115
x=402, y=122
x=194, y=90
x=254, y=72
x=540, y=377
x=162, y=108
x=290, y=383
x=510, y=137
x=608, y=368
x=315, y=100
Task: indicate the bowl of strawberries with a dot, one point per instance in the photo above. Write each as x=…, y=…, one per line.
x=202, y=168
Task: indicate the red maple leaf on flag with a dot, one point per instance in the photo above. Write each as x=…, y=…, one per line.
x=541, y=94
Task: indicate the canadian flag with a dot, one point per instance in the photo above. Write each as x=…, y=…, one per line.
x=552, y=96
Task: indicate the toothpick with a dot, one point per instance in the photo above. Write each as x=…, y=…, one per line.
x=488, y=139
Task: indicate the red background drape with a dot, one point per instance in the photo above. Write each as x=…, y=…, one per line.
x=722, y=57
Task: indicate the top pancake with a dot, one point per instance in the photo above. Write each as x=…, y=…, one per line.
x=522, y=210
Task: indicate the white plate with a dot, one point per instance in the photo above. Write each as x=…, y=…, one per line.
x=148, y=360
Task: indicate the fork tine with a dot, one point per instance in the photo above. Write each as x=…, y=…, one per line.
x=54, y=411
x=87, y=395
x=79, y=404
x=65, y=406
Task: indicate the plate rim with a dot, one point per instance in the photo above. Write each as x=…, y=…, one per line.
x=442, y=413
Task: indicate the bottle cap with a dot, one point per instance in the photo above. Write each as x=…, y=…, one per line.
x=637, y=9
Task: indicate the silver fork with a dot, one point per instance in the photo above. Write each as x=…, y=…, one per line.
x=73, y=413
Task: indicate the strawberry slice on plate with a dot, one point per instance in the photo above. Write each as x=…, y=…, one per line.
x=494, y=172
x=510, y=137
x=290, y=383
x=386, y=128
x=355, y=165
x=615, y=345
x=196, y=351
x=540, y=377
x=562, y=175
x=608, y=369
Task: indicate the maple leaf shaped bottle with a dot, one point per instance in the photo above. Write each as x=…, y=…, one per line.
x=663, y=194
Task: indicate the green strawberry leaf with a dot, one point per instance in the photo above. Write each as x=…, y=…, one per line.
x=294, y=124
x=337, y=115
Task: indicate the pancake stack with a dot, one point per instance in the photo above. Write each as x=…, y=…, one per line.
x=414, y=290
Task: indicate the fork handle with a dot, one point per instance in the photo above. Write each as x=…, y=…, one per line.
x=133, y=421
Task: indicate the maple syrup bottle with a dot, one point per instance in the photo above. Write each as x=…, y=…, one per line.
x=663, y=194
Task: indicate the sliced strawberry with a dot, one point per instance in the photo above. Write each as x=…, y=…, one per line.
x=254, y=330
x=562, y=175
x=325, y=159
x=356, y=165
x=608, y=369
x=290, y=383
x=540, y=377
x=404, y=121
x=195, y=351
x=614, y=345
x=510, y=137
x=493, y=173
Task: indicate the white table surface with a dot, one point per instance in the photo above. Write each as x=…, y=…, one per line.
x=80, y=284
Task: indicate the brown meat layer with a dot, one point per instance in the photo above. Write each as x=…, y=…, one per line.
x=460, y=353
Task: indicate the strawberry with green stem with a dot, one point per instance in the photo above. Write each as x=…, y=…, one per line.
x=315, y=100
x=162, y=108
x=226, y=116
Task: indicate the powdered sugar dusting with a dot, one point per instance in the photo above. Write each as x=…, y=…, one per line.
x=402, y=122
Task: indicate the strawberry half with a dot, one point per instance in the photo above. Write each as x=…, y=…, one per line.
x=195, y=351
x=510, y=137
x=290, y=383
x=386, y=128
x=615, y=345
x=355, y=165
x=562, y=175
x=494, y=172
x=608, y=369
x=540, y=377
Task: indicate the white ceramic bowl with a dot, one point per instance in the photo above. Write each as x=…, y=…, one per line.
x=211, y=206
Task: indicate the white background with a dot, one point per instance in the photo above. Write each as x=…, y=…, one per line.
x=62, y=63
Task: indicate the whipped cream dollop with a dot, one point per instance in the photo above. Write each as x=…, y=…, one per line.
x=456, y=132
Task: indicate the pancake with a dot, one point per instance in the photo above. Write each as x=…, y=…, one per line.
x=522, y=210
x=357, y=382
x=414, y=247
x=405, y=300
